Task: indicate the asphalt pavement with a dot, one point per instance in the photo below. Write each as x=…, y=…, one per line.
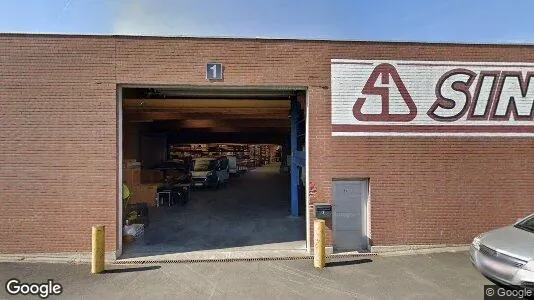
x=429, y=276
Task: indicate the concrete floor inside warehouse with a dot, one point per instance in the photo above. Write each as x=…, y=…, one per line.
x=250, y=214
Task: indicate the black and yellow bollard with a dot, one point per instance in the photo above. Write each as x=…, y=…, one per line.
x=319, y=253
x=98, y=249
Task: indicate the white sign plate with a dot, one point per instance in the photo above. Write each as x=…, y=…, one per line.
x=214, y=71
x=432, y=98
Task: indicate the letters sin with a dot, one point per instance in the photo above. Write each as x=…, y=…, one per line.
x=432, y=98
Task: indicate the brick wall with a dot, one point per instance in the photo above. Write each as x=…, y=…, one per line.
x=59, y=148
x=58, y=142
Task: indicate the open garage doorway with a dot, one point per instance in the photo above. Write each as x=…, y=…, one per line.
x=212, y=170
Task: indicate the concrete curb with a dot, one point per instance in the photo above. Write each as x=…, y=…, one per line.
x=85, y=258
x=66, y=258
x=418, y=249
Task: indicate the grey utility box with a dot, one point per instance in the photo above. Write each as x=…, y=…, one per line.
x=323, y=211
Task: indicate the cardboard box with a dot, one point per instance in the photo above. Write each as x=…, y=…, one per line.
x=132, y=176
x=151, y=176
x=144, y=193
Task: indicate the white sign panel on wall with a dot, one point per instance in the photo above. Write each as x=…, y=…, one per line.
x=432, y=98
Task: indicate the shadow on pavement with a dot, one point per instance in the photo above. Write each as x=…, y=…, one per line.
x=348, y=262
x=127, y=270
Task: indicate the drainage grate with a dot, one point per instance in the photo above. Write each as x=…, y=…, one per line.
x=216, y=260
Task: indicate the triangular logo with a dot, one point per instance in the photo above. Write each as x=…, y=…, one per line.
x=385, y=71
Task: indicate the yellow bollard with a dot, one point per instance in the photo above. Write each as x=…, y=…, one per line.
x=319, y=253
x=98, y=249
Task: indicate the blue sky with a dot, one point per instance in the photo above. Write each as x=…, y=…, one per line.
x=493, y=21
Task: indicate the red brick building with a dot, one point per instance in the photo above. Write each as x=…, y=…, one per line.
x=59, y=136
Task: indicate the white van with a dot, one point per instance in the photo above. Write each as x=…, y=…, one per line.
x=210, y=172
x=232, y=165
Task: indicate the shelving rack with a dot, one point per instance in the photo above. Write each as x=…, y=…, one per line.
x=249, y=155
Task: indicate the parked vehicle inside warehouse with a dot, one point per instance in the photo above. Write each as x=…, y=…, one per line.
x=232, y=165
x=210, y=172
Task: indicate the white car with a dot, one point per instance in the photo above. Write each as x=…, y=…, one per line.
x=506, y=255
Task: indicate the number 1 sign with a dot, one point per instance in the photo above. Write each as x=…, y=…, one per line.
x=214, y=71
